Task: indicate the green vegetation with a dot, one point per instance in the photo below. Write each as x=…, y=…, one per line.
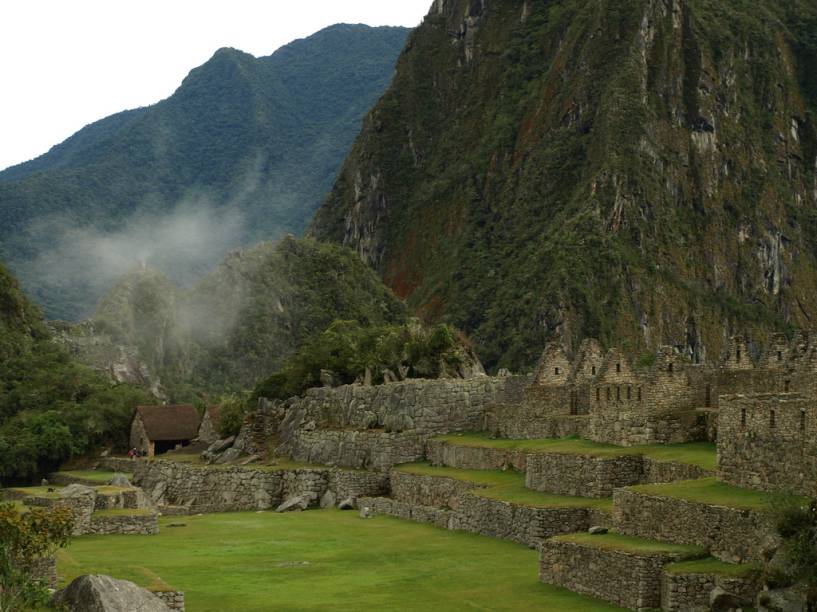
x=95, y=476
x=617, y=541
x=701, y=454
x=51, y=408
x=507, y=486
x=25, y=538
x=572, y=177
x=351, y=351
x=260, y=138
x=37, y=491
x=712, y=566
x=711, y=491
x=323, y=560
x=796, y=522
x=238, y=325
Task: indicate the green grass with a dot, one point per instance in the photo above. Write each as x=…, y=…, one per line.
x=38, y=491
x=710, y=491
x=123, y=512
x=701, y=454
x=624, y=543
x=710, y=565
x=96, y=476
x=111, y=490
x=507, y=486
x=321, y=560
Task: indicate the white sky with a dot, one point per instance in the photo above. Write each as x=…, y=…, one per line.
x=67, y=63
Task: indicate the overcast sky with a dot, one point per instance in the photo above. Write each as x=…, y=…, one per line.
x=67, y=63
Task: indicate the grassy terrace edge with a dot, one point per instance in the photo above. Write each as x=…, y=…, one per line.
x=507, y=486
x=699, y=454
x=711, y=491
x=712, y=566
x=633, y=545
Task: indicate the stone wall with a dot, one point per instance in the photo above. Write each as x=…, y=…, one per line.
x=422, y=490
x=521, y=524
x=623, y=578
x=44, y=570
x=235, y=488
x=439, y=452
x=440, y=517
x=172, y=599
x=657, y=472
x=119, y=464
x=582, y=475
x=125, y=524
x=685, y=592
x=731, y=534
x=768, y=442
x=356, y=449
x=636, y=428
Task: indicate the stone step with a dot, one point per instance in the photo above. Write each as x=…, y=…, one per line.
x=728, y=521
x=623, y=570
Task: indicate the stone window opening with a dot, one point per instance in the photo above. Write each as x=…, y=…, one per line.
x=593, y=370
x=639, y=393
x=780, y=355
x=803, y=420
x=737, y=355
x=743, y=417
x=772, y=419
x=629, y=393
x=598, y=394
x=618, y=368
x=786, y=385
x=608, y=394
x=670, y=368
x=556, y=371
x=618, y=394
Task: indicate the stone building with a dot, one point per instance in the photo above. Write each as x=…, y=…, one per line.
x=158, y=429
x=768, y=442
x=210, y=422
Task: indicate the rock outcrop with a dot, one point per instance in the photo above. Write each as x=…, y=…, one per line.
x=96, y=593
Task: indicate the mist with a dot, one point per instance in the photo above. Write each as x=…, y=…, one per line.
x=185, y=243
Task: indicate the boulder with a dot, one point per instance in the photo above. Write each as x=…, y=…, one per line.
x=93, y=593
x=231, y=454
x=347, y=504
x=250, y=459
x=76, y=490
x=366, y=512
x=119, y=480
x=294, y=504
x=596, y=530
x=329, y=499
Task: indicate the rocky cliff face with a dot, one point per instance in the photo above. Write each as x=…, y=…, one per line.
x=641, y=170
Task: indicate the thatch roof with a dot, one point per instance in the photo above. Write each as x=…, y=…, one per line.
x=169, y=422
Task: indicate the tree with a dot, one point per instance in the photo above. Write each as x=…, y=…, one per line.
x=25, y=539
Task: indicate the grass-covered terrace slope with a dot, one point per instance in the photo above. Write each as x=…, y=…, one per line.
x=713, y=567
x=701, y=454
x=323, y=560
x=710, y=491
x=508, y=486
x=632, y=545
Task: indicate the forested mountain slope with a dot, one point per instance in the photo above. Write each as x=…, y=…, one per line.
x=644, y=171
x=243, y=151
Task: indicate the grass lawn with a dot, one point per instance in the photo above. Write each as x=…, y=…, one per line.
x=624, y=543
x=96, y=476
x=38, y=491
x=507, y=486
x=710, y=565
x=710, y=491
x=701, y=454
x=324, y=560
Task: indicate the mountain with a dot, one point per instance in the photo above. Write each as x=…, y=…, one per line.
x=642, y=171
x=51, y=407
x=243, y=151
x=234, y=327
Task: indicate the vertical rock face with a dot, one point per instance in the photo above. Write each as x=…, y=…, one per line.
x=644, y=168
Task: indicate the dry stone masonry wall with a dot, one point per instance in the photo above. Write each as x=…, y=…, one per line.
x=685, y=592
